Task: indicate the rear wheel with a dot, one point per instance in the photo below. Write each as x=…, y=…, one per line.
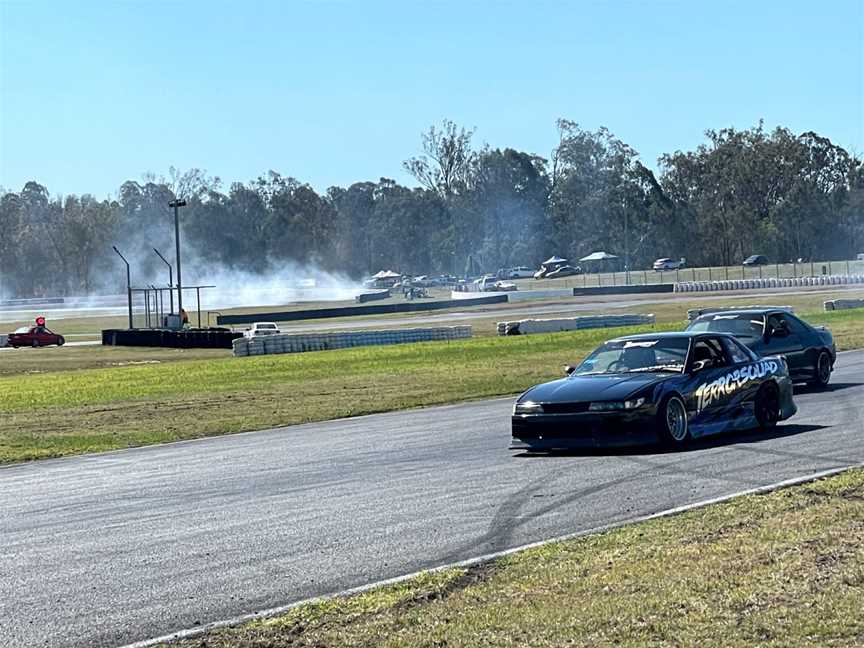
x=672, y=422
x=823, y=370
x=767, y=406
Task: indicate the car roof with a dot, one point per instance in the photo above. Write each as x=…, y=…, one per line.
x=746, y=311
x=670, y=335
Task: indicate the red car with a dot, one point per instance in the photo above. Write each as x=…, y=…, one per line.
x=35, y=336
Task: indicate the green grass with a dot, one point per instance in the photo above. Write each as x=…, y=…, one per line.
x=131, y=397
x=65, y=412
x=781, y=569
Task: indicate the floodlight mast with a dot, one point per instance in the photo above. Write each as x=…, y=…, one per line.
x=176, y=204
x=128, y=284
x=170, y=280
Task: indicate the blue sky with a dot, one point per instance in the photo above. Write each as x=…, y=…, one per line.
x=94, y=93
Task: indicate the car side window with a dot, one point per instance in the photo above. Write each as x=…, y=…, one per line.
x=709, y=349
x=777, y=326
x=735, y=351
x=795, y=325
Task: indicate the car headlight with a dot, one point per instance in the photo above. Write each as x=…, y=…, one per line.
x=613, y=406
x=528, y=408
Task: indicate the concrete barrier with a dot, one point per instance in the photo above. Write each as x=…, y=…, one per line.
x=524, y=295
x=372, y=295
x=531, y=326
x=754, y=284
x=843, y=304
x=693, y=313
x=479, y=297
x=303, y=342
x=420, y=305
x=212, y=338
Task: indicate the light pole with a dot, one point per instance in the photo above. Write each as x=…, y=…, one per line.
x=128, y=284
x=170, y=280
x=626, y=248
x=176, y=204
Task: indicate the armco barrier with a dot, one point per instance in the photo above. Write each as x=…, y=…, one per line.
x=753, y=284
x=693, y=313
x=349, y=311
x=212, y=338
x=529, y=326
x=302, y=342
x=839, y=304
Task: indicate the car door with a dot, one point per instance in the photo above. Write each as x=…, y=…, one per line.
x=741, y=389
x=708, y=400
x=782, y=339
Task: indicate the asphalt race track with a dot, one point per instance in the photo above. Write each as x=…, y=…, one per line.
x=109, y=549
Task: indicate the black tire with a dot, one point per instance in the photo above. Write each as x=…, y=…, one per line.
x=823, y=370
x=61, y=340
x=673, y=430
x=34, y=343
x=766, y=407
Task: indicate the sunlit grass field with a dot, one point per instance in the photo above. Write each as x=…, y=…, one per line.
x=140, y=396
x=780, y=569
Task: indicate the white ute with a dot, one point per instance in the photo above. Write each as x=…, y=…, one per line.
x=261, y=328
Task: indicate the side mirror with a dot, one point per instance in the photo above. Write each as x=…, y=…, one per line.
x=699, y=365
x=569, y=369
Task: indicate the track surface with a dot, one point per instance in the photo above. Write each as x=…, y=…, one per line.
x=108, y=549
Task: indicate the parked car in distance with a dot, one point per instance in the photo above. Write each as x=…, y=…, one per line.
x=668, y=264
x=756, y=260
x=564, y=271
x=520, y=272
x=260, y=329
x=34, y=336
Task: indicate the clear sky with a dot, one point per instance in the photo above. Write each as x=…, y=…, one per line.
x=94, y=93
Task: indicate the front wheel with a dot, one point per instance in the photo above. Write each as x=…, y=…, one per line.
x=61, y=340
x=823, y=370
x=672, y=422
x=767, y=406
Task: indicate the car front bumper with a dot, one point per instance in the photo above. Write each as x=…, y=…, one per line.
x=587, y=430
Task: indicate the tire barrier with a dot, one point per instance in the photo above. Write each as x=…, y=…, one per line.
x=839, y=304
x=303, y=342
x=350, y=311
x=754, y=284
x=529, y=326
x=212, y=338
x=372, y=295
x=693, y=313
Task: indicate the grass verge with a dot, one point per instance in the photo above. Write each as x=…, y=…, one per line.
x=779, y=569
x=139, y=399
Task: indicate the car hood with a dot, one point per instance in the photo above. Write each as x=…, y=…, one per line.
x=600, y=387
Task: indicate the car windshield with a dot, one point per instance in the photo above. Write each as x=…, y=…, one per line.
x=642, y=355
x=739, y=325
x=266, y=326
x=23, y=329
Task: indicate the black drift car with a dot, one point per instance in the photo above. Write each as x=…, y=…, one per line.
x=809, y=351
x=666, y=387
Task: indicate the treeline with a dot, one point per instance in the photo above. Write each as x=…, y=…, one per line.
x=476, y=209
